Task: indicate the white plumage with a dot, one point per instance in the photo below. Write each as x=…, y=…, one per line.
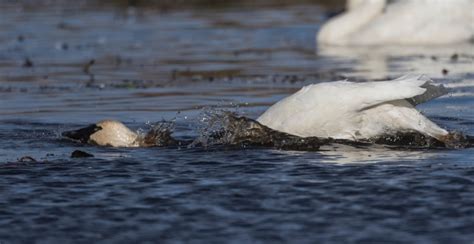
x=355, y=111
x=405, y=22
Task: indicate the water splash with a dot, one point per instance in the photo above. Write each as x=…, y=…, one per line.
x=210, y=122
x=159, y=135
x=228, y=129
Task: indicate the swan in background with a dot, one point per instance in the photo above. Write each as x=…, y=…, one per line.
x=401, y=22
x=357, y=111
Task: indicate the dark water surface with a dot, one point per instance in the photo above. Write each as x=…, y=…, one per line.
x=177, y=64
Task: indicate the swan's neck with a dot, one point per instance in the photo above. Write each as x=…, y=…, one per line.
x=360, y=13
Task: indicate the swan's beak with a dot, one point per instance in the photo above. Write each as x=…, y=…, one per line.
x=83, y=135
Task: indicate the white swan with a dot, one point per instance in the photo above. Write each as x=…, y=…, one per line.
x=401, y=22
x=357, y=111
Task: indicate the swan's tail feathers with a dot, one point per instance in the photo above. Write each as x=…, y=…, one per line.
x=432, y=91
x=414, y=88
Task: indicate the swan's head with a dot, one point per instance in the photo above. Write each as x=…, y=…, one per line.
x=105, y=133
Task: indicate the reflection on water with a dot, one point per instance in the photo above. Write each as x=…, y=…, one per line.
x=62, y=67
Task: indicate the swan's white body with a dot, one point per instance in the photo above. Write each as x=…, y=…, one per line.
x=356, y=111
x=401, y=22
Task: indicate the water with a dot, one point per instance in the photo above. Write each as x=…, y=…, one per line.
x=149, y=65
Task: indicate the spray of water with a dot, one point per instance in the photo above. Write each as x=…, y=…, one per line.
x=158, y=135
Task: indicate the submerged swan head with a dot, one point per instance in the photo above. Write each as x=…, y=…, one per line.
x=114, y=133
x=105, y=133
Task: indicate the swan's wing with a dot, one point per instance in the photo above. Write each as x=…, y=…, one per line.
x=414, y=88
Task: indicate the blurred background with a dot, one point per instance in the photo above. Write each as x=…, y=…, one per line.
x=65, y=64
